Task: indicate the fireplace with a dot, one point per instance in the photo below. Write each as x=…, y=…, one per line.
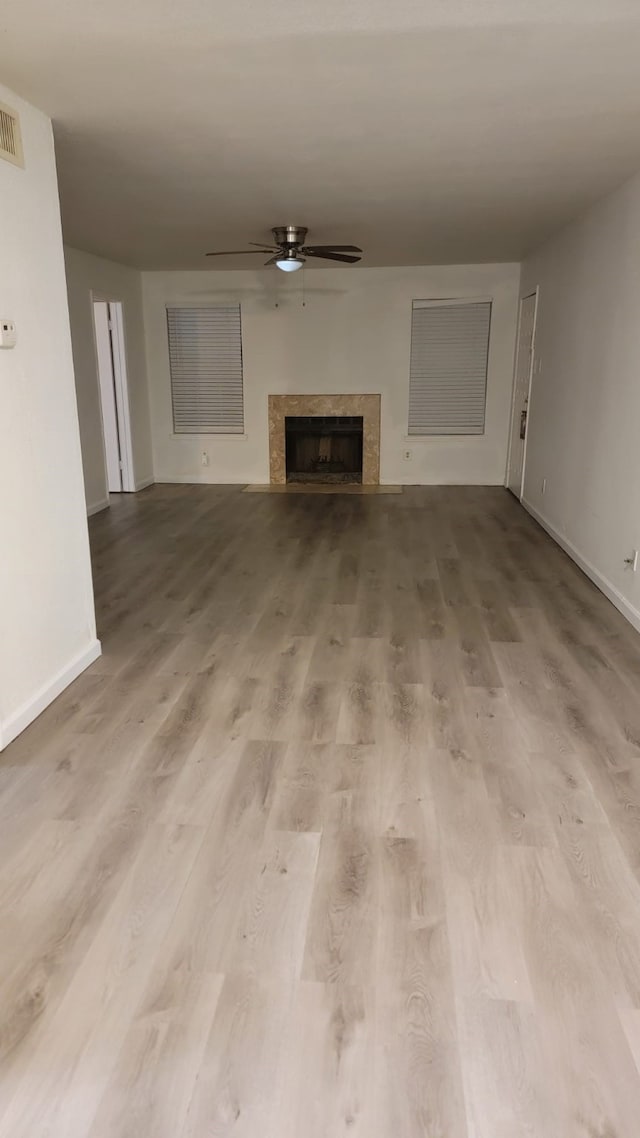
x=365, y=408
x=323, y=448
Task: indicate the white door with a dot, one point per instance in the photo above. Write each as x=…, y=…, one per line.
x=521, y=392
x=114, y=396
x=112, y=451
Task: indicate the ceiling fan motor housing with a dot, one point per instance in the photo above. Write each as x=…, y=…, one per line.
x=289, y=235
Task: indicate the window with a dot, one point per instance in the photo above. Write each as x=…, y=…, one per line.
x=205, y=357
x=448, y=373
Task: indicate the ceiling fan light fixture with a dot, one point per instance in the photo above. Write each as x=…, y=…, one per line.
x=291, y=252
x=291, y=262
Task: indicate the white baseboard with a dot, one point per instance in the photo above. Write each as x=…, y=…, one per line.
x=144, y=482
x=46, y=694
x=97, y=507
x=610, y=591
x=263, y=480
x=192, y=480
x=104, y=503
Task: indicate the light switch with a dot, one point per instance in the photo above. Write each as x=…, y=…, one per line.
x=7, y=333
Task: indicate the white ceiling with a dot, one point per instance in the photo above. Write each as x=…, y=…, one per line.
x=427, y=131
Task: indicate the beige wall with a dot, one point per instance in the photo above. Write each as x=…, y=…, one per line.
x=89, y=276
x=47, y=625
x=584, y=424
x=353, y=335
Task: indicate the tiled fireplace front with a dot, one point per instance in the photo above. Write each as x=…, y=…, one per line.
x=365, y=406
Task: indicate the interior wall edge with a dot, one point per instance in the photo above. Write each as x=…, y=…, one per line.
x=629, y=611
x=20, y=719
x=97, y=507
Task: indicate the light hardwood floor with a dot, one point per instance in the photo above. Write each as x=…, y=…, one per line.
x=340, y=836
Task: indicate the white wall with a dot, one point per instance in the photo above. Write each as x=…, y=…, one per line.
x=91, y=277
x=352, y=336
x=47, y=625
x=584, y=425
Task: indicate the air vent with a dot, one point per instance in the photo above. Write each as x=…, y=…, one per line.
x=10, y=138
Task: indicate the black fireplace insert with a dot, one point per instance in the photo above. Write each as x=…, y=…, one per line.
x=324, y=448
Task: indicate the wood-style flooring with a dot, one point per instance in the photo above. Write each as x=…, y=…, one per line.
x=340, y=836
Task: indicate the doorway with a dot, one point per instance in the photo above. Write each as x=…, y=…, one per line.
x=521, y=393
x=114, y=396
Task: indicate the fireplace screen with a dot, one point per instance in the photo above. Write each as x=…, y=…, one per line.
x=324, y=448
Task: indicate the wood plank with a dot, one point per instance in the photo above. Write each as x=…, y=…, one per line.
x=341, y=834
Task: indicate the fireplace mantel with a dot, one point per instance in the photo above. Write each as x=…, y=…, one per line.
x=368, y=406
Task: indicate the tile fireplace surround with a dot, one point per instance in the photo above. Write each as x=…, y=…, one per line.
x=368, y=406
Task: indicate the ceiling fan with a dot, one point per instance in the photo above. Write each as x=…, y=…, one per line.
x=290, y=251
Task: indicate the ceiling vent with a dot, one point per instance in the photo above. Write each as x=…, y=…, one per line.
x=10, y=137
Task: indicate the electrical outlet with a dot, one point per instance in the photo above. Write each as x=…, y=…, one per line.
x=543, y=488
x=407, y=456
x=204, y=458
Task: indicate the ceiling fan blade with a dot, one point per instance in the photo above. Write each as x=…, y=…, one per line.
x=328, y=256
x=272, y=260
x=259, y=245
x=233, y=252
x=333, y=248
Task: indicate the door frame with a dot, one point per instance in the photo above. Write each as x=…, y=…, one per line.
x=120, y=383
x=535, y=292
x=107, y=392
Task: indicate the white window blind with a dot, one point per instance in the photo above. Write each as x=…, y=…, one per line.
x=448, y=375
x=205, y=356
